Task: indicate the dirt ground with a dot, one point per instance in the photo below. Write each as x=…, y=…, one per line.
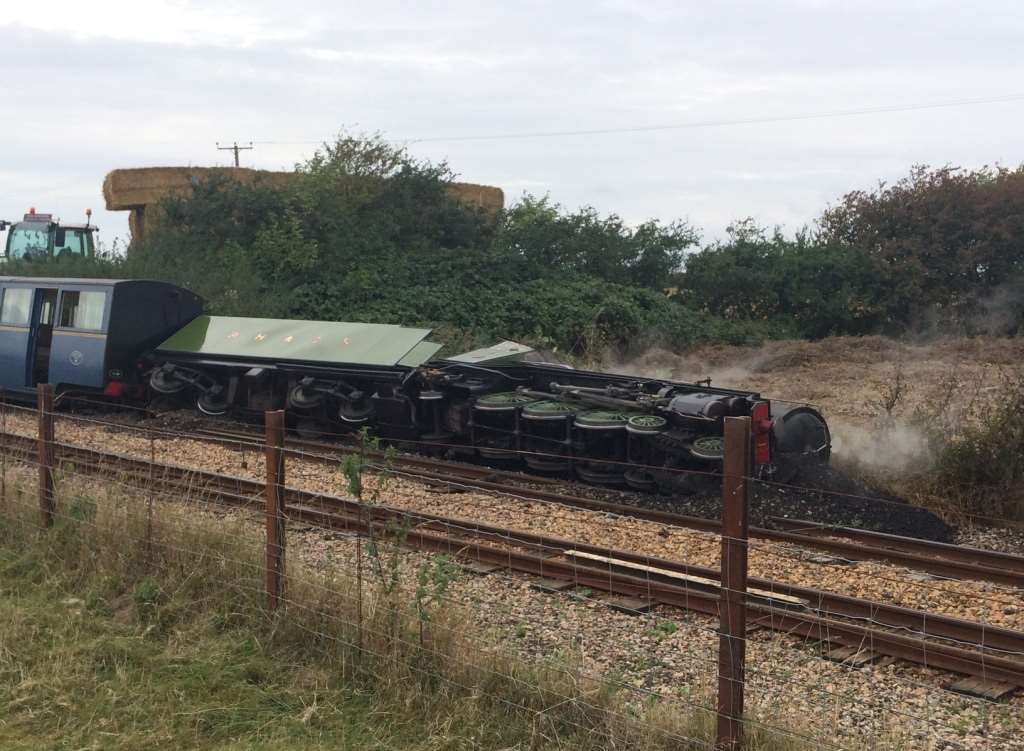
x=853, y=380
x=848, y=377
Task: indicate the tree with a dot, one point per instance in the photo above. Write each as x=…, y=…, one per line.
x=956, y=236
x=545, y=238
x=796, y=286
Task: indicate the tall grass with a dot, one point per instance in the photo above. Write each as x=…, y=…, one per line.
x=979, y=464
x=960, y=453
x=188, y=581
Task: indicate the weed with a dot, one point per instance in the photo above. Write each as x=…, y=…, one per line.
x=147, y=596
x=230, y=675
x=664, y=628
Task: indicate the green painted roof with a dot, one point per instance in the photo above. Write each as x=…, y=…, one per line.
x=502, y=351
x=315, y=341
x=420, y=354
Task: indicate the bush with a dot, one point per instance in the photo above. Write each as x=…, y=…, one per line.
x=794, y=287
x=367, y=233
x=980, y=466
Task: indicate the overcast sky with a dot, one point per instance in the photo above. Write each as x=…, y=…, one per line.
x=92, y=86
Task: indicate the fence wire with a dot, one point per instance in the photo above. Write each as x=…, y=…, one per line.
x=921, y=708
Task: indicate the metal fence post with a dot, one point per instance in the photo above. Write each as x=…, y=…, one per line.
x=274, y=427
x=732, y=605
x=45, y=454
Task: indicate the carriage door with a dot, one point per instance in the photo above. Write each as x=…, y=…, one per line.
x=42, y=335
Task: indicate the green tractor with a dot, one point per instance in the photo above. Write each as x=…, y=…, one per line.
x=39, y=237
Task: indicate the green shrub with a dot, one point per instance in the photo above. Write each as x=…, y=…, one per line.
x=980, y=466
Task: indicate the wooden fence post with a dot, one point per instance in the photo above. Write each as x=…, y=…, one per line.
x=45, y=454
x=274, y=427
x=732, y=605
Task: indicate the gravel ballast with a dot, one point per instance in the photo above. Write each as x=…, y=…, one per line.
x=667, y=653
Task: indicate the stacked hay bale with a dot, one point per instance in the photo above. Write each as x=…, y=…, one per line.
x=140, y=190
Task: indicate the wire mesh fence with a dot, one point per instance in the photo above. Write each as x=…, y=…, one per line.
x=593, y=623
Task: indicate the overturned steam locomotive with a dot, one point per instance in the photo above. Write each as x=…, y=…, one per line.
x=498, y=404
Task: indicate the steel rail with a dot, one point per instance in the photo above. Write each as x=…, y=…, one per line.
x=611, y=577
x=686, y=597
x=940, y=559
x=963, y=553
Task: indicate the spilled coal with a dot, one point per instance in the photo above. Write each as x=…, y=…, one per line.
x=821, y=494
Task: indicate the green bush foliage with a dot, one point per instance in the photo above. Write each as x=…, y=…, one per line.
x=795, y=287
x=979, y=465
x=365, y=232
x=953, y=235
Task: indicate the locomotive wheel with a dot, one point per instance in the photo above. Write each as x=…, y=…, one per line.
x=304, y=399
x=674, y=443
x=710, y=448
x=166, y=383
x=641, y=480
x=355, y=412
x=212, y=402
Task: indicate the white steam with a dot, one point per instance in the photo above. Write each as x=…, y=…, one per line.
x=888, y=443
x=893, y=447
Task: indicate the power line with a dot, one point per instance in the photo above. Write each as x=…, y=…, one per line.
x=235, y=149
x=692, y=124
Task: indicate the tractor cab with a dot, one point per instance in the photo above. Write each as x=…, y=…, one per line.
x=40, y=237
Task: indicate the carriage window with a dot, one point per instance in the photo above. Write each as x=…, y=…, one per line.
x=82, y=310
x=46, y=312
x=16, y=306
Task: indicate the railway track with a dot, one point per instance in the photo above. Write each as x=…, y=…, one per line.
x=937, y=641
x=938, y=559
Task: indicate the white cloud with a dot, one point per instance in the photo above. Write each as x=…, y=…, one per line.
x=158, y=21
x=94, y=86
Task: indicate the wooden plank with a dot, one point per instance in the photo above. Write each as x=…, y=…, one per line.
x=552, y=585
x=630, y=605
x=828, y=560
x=699, y=580
x=475, y=567
x=732, y=607
x=47, y=507
x=982, y=688
x=275, y=508
x=853, y=656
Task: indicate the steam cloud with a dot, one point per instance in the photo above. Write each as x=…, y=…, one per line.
x=894, y=447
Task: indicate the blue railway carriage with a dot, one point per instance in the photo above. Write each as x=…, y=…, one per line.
x=85, y=335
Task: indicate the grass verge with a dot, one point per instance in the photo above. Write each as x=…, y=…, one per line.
x=123, y=631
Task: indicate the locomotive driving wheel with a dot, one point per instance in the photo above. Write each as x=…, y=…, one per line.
x=710, y=448
x=213, y=402
x=164, y=381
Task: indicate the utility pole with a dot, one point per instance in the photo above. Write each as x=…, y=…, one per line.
x=235, y=148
